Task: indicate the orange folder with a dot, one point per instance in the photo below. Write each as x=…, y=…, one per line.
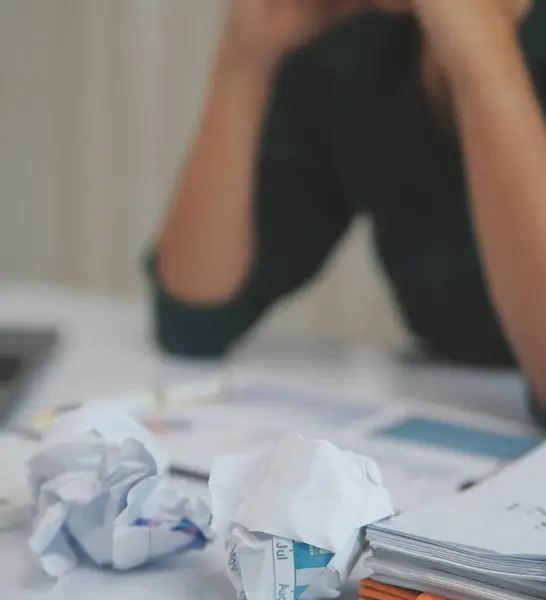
x=372, y=590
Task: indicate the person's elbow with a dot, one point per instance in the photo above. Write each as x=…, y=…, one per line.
x=201, y=281
x=202, y=329
x=197, y=330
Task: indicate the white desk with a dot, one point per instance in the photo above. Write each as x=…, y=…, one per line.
x=105, y=348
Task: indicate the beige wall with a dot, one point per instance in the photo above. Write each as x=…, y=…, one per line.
x=99, y=99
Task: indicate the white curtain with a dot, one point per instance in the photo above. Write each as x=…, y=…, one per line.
x=98, y=100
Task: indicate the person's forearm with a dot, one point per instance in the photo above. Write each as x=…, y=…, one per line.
x=206, y=247
x=504, y=141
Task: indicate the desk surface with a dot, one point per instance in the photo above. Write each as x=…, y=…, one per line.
x=106, y=348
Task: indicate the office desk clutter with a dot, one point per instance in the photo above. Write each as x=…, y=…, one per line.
x=292, y=517
x=431, y=430
x=100, y=490
x=426, y=451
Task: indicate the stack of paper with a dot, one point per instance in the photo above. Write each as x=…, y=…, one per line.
x=486, y=543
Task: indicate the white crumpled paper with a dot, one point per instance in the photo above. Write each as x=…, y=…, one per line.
x=100, y=490
x=293, y=515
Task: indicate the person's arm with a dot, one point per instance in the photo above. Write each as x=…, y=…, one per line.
x=297, y=217
x=206, y=247
x=207, y=244
x=503, y=135
x=254, y=213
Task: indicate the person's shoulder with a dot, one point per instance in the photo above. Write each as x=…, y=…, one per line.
x=366, y=43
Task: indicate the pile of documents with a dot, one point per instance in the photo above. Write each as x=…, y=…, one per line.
x=487, y=543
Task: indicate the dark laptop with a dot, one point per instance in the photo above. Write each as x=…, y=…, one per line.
x=22, y=352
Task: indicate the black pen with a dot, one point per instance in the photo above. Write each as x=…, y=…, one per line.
x=192, y=474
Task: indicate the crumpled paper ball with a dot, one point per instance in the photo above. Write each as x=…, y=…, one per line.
x=101, y=491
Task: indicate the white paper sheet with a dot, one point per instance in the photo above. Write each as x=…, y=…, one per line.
x=515, y=498
x=257, y=413
x=293, y=515
x=100, y=488
x=251, y=412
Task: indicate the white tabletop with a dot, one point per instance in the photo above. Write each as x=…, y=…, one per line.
x=105, y=348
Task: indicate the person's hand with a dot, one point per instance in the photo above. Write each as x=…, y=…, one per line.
x=262, y=31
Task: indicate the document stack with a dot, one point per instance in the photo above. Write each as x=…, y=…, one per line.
x=488, y=543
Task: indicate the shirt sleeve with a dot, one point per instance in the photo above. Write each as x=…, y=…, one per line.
x=299, y=216
x=533, y=32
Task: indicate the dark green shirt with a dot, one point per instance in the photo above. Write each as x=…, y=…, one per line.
x=350, y=131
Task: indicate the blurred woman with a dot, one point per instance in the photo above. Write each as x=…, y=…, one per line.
x=426, y=115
